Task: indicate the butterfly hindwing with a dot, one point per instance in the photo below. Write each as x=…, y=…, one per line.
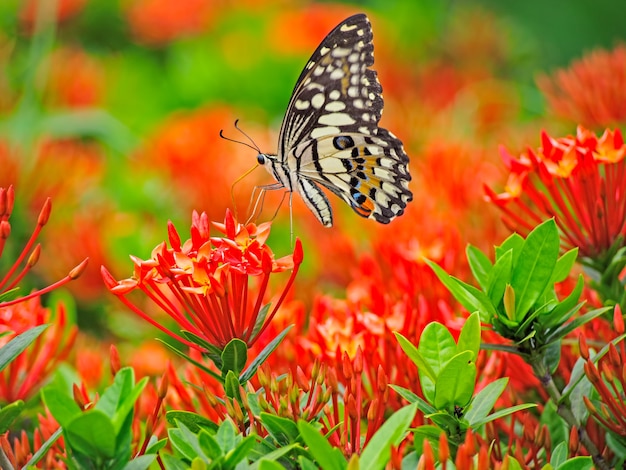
x=368, y=172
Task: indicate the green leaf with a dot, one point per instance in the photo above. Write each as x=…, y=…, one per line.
x=577, y=463
x=484, y=401
x=429, y=432
x=565, y=308
x=377, y=452
x=455, y=383
x=479, y=264
x=193, y=361
x=180, y=443
x=411, y=397
x=213, y=351
x=172, y=463
x=503, y=413
x=436, y=347
x=9, y=413
x=241, y=452
x=277, y=454
x=43, y=450
x=193, y=448
x=552, y=355
x=564, y=265
x=284, y=430
x=469, y=339
x=262, y=356
x=227, y=436
x=411, y=351
x=271, y=465
x=193, y=421
x=155, y=446
x=567, y=328
x=234, y=356
x=260, y=320
x=232, y=387
x=470, y=297
x=209, y=445
x=92, y=434
x=127, y=406
x=61, y=406
x=535, y=266
x=142, y=462
x=559, y=455
x=326, y=456
x=18, y=344
x=515, y=243
x=121, y=386
x=500, y=277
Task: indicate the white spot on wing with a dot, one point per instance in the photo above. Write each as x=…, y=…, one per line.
x=324, y=131
x=334, y=106
x=336, y=119
x=318, y=100
x=301, y=105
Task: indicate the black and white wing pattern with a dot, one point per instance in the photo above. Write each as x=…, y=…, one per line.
x=330, y=134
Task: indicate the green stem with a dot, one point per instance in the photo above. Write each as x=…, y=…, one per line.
x=545, y=377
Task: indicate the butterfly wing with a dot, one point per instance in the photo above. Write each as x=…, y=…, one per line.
x=330, y=133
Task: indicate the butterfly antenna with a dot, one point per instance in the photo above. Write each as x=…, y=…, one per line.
x=254, y=145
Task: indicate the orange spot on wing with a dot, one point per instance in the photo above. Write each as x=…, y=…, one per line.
x=365, y=209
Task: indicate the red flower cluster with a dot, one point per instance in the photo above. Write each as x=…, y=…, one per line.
x=204, y=283
x=592, y=90
x=579, y=180
x=28, y=371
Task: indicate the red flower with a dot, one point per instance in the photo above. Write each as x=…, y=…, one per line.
x=29, y=255
x=28, y=371
x=204, y=283
x=579, y=180
x=592, y=91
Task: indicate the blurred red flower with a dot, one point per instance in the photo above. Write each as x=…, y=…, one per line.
x=299, y=31
x=75, y=79
x=591, y=91
x=65, y=9
x=579, y=180
x=204, y=284
x=157, y=22
x=199, y=164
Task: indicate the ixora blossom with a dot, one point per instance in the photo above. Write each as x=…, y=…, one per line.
x=204, y=283
x=592, y=90
x=579, y=180
x=29, y=255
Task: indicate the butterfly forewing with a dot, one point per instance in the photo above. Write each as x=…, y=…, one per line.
x=330, y=133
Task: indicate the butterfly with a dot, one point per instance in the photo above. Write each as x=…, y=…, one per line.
x=330, y=135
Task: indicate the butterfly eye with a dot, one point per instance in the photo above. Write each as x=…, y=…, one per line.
x=260, y=158
x=343, y=142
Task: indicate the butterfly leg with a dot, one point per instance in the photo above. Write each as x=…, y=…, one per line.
x=254, y=210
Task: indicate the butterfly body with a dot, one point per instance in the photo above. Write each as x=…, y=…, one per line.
x=330, y=134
